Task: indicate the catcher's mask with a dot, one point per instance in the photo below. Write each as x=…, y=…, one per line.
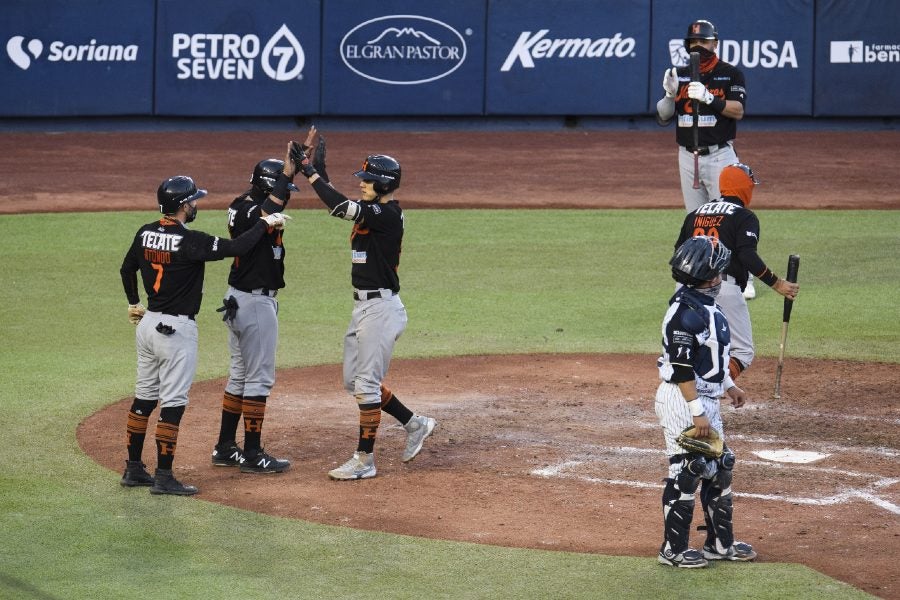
x=265, y=174
x=700, y=30
x=383, y=170
x=738, y=179
x=175, y=191
x=699, y=259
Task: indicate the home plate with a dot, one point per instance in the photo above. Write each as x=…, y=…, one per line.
x=791, y=456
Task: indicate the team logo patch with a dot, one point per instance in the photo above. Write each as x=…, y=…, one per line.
x=376, y=209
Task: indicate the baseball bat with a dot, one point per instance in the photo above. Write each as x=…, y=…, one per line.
x=695, y=107
x=792, y=269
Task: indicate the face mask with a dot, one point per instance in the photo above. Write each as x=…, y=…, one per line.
x=712, y=292
x=705, y=54
x=190, y=214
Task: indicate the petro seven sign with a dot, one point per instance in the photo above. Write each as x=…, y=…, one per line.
x=403, y=49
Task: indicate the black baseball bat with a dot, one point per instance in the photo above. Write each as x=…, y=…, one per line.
x=792, y=269
x=695, y=107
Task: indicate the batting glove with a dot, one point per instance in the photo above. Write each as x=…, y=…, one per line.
x=670, y=82
x=276, y=220
x=135, y=313
x=698, y=91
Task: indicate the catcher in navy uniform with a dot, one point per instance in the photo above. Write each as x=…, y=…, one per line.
x=379, y=317
x=251, y=315
x=171, y=260
x=730, y=219
x=693, y=370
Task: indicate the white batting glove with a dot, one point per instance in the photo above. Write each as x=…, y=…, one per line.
x=670, y=82
x=135, y=313
x=698, y=91
x=276, y=220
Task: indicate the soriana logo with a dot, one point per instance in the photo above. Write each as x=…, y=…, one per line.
x=403, y=49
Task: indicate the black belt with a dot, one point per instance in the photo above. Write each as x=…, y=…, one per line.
x=259, y=291
x=191, y=317
x=369, y=294
x=704, y=150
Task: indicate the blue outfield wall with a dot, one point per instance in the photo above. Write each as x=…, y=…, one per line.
x=272, y=58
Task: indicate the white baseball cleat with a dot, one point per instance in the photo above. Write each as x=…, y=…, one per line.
x=360, y=466
x=750, y=291
x=417, y=429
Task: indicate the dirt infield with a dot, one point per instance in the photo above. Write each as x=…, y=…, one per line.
x=585, y=169
x=554, y=452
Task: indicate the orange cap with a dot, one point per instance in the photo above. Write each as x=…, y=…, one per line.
x=734, y=180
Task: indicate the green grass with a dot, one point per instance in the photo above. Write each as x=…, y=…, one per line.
x=501, y=281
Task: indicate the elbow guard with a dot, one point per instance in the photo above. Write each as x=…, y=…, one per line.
x=348, y=209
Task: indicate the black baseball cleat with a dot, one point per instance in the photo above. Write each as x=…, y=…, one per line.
x=135, y=474
x=165, y=483
x=227, y=455
x=264, y=463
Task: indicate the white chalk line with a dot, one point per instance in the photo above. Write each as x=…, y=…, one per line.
x=559, y=471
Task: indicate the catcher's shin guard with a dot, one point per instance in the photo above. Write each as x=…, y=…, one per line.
x=678, y=511
x=717, y=512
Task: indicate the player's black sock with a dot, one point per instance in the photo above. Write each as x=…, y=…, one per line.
x=369, y=419
x=136, y=428
x=167, y=435
x=394, y=407
x=231, y=416
x=254, y=408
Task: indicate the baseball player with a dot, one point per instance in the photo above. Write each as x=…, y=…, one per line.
x=171, y=259
x=720, y=96
x=251, y=315
x=379, y=317
x=730, y=219
x=694, y=375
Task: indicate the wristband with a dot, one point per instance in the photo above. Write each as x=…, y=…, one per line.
x=695, y=407
x=717, y=104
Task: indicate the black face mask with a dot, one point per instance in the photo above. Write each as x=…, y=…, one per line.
x=704, y=53
x=190, y=213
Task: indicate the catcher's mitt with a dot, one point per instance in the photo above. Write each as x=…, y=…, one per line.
x=711, y=446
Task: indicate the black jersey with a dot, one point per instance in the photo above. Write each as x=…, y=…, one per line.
x=735, y=226
x=376, y=239
x=171, y=259
x=263, y=265
x=723, y=81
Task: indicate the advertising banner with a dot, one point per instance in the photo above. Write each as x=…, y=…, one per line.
x=238, y=58
x=770, y=41
x=567, y=57
x=63, y=58
x=403, y=57
x=857, y=58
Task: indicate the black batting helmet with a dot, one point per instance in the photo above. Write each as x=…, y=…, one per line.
x=699, y=259
x=383, y=170
x=700, y=30
x=175, y=191
x=265, y=174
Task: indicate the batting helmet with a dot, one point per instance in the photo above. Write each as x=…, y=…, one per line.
x=383, y=170
x=738, y=179
x=699, y=259
x=700, y=30
x=175, y=191
x=266, y=172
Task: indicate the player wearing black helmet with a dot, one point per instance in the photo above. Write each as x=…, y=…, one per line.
x=251, y=316
x=693, y=369
x=379, y=317
x=171, y=260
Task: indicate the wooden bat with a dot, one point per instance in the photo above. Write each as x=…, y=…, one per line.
x=695, y=107
x=792, y=269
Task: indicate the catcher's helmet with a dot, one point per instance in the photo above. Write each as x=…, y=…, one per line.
x=265, y=174
x=738, y=179
x=383, y=170
x=699, y=259
x=700, y=30
x=175, y=191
